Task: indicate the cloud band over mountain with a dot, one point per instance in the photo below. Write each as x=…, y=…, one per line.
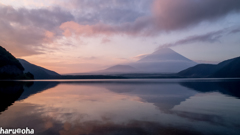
x=28, y=29
x=210, y=37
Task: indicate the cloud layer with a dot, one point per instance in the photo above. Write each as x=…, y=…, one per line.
x=210, y=37
x=179, y=14
x=166, y=15
x=26, y=31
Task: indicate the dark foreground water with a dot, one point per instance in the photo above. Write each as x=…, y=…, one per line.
x=122, y=107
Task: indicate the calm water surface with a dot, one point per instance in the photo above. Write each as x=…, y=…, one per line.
x=122, y=107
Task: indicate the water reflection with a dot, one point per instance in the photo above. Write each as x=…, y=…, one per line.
x=36, y=87
x=125, y=107
x=227, y=87
x=163, y=95
x=9, y=93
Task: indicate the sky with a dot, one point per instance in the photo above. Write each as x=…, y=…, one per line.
x=75, y=36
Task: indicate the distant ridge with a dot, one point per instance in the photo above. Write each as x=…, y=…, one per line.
x=227, y=68
x=120, y=68
x=37, y=71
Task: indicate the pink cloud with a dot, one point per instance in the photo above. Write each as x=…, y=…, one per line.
x=140, y=56
x=141, y=27
x=49, y=34
x=72, y=27
x=49, y=37
x=105, y=40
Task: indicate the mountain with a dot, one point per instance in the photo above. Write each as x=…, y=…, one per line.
x=164, y=60
x=8, y=63
x=119, y=69
x=200, y=70
x=10, y=67
x=164, y=54
x=37, y=71
x=227, y=68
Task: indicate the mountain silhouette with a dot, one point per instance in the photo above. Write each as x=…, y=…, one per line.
x=164, y=60
x=10, y=67
x=37, y=71
x=227, y=68
x=164, y=54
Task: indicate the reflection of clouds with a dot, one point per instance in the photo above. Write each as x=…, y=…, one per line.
x=213, y=119
x=89, y=103
x=219, y=110
x=214, y=104
x=17, y=117
x=22, y=115
x=132, y=127
x=92, y=109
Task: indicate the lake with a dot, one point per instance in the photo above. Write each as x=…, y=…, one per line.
x=122, y=107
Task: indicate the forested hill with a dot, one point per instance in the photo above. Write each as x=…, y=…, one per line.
x=10, y=67
x=226, y=69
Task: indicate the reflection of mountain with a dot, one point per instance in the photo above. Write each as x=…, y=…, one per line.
x=36, y=88
x=121, y=88
x=130, y=107
x=226, y=87
x=214, y=108
x=9, y=93
x=12, y=91
x=163, y=95
x=203, y=107
x=177, y=99
x=167, y=95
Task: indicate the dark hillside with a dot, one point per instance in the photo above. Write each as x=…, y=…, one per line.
x=7, y=58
